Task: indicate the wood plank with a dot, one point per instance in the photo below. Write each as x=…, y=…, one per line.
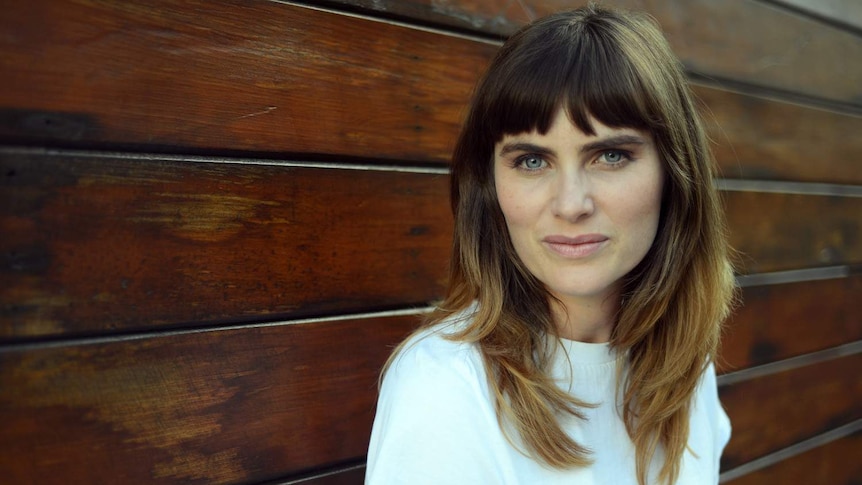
x=775, y=321
x=349, y=476
x=404, y=100
x=96, y=245
x=161, y=74
x=835, y=463
x=233, y=406
x=846, y=13
x=168, y=409
x=775, y=232
x=757, y=138
x=719, y=40
x=776, y=411
x=109, y=244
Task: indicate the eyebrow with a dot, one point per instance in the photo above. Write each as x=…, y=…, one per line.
x=598, y=145
x=525, y=147
x=613, y=142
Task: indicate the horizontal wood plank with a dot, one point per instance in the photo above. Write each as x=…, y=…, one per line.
x=835, y=463
x=96, y=244
x=233, y=406
x=723, y=40
x=246, y=404
x=846, y=13
x=775, y=411
x=758, y=138
x=776, y=232
x=778, y=322
x=349, y=476
x=288, y=87
x=162, y=73
x=99, y=244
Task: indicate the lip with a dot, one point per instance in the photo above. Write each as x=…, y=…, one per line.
x=575, y=247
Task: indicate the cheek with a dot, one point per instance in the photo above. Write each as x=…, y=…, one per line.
x=645, y=209
x=509, y=200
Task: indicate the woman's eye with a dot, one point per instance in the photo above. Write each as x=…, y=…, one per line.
x=531, y=162
x=614, y=157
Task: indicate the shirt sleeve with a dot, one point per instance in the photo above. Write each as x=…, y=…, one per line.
x=434, y=423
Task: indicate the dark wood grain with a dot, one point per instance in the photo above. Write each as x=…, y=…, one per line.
x=775, y=232
x=758, y=138
x=844, y=13
x=348, y=476
x=249, y=404
x=233, y=75
x=778, y=322
x=103, y=244
x=775, y=411
x=109, y=244
x=232, y=406
x=835, y=463
x=723, y=40
x=147, y=77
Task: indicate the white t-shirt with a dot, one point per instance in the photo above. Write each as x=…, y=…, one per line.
x=436, y=422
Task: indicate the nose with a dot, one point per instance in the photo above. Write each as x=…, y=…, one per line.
x=573, y=197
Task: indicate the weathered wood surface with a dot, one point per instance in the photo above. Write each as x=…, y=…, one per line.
x=287, y=86
x=757, y=138
x=835, y=463
x=777, y=322
x=235, y=75
x=233, y=406
x=350, y=476
x=723, y=40
x=102, y=244
x=778, y=410
x=846, y=13
x=107, y=244
x=251, y=403
x=775, y=232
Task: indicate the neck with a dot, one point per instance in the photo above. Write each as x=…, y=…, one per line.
x=585, y=319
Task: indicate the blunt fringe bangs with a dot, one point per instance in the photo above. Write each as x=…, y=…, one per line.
x=577, y=61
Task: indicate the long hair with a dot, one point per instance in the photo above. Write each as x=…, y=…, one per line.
x=618, y=68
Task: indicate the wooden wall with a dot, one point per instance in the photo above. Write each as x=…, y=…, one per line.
x=219, y=216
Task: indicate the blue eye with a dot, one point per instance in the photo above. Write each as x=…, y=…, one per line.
x=614, y=157
x=531, y=162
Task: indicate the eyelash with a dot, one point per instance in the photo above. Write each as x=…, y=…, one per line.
x=520, y=162
x=625, y=158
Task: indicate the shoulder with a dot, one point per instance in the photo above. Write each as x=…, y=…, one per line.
x=432, y=355
x=434, y=402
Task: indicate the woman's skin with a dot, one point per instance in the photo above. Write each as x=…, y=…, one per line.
x=582, y=211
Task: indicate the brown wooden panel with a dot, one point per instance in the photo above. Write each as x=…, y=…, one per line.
x=847, y=13
x=351, y=476
x=778, y=321
x=775, y=231
x=249, y=75
x=778, y=410
x=90, y=242
x=104, y=244
x=835, y=463
x=757, y=138
x=719, y=39
x=401, y=98
x=231, y=406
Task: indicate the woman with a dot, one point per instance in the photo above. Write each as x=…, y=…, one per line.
x=588, y=282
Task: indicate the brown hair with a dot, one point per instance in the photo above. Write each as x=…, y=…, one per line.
x=618, y=68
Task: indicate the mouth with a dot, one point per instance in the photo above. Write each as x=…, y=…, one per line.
x=575, y=247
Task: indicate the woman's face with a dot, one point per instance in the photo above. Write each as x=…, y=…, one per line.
x=582, y=211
